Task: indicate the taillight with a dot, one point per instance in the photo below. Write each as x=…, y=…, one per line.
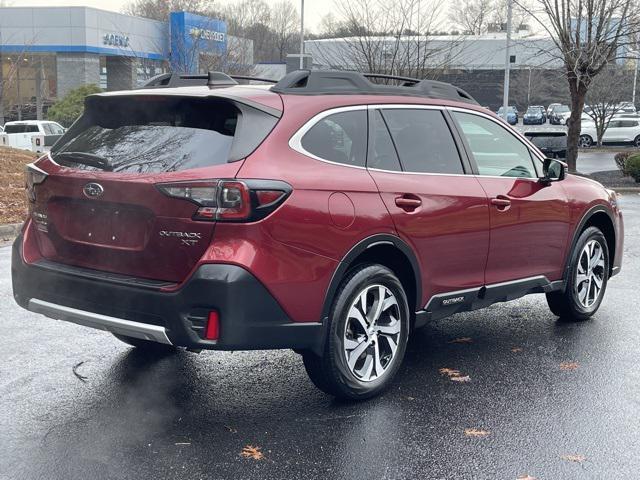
x=33, y=176
x=230, y=200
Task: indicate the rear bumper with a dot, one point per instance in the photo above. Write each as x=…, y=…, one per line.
x=250, y=318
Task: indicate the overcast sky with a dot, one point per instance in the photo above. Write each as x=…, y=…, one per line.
x=313, y=9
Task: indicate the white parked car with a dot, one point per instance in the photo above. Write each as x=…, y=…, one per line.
x=618, y=131
x=34, y=135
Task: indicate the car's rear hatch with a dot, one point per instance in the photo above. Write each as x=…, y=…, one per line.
x=100, y=207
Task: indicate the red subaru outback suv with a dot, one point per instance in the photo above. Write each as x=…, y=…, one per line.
x=328, y=213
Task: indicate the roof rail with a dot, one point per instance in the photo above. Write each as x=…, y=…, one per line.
x=210, y=79
x=338, y=82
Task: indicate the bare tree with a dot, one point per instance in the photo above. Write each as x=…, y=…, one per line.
x=587, y=35
x=160, y=9
x=471, y=16
x=284, y=23
x=519, y=14
x=382, y=37
x=251, y=19
x=606, y=92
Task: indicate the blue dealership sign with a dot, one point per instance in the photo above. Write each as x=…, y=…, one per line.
x=192, y=36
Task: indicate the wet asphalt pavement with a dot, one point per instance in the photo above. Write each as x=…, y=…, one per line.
x=558, y=400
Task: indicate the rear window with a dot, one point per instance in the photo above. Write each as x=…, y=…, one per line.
x=149, y=134
x=24, y=128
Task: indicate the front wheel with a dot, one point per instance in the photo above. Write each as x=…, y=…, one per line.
x=585, y=141
x=366, y=338
x=636, y=141
x=586, y=279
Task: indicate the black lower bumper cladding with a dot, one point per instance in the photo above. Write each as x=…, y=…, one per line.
x=250, y=318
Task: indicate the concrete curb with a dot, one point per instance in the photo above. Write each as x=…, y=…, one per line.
x=626, y=189
x=10, y=231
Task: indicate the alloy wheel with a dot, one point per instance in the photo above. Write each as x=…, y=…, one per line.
x=372, y=333
x=590, y=274
x=584, y=141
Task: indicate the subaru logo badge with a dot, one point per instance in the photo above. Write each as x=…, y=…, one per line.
x=93, y=190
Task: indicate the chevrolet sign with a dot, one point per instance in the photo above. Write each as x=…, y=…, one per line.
x=205, y=34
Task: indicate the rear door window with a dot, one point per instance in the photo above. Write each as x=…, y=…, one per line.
x=149, y=134
x=383, y=155
x=423, y=141
x=340, y=138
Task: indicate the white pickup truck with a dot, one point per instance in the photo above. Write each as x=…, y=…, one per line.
x=35, y=135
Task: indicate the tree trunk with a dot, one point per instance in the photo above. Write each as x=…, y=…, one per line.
x=578, y=92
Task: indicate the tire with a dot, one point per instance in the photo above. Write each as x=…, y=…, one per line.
x=585, y=141
x=574, y=304
x=636, y=141
x=351, y=335
x=146, y=345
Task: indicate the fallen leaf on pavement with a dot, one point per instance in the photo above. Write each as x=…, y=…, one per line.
x=231, y=429
x=183, y=443
x=449, y=372
x=474, y=432
x=526, y=477
x=574, y=458
x=462, y=340
x=568, y=365
x=466, y=378
x=252, y=452
x=516, y=349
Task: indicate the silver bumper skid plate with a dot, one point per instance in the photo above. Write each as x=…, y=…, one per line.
x=120, y=326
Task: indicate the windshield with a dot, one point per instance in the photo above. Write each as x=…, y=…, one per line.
x=534, y=110
x=509, y=110
x=561, y=109
x=148, y=134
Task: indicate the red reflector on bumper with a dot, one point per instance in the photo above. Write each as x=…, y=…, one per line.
x=213, y=326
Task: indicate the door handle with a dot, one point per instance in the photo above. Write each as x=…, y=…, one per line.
x=408, y=202
x=501, y=202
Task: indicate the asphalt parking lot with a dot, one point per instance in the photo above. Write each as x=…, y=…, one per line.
x=543, y=398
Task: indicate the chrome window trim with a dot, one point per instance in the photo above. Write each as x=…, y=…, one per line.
x=295, y=142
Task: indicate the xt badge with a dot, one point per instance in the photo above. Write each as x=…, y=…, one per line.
x=186, y=238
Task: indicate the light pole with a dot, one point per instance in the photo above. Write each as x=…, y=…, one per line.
x=301, y=34
x=507, y=62
x=635, y=81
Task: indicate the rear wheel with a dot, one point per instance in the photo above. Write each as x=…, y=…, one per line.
x=587, y=278
x=585, y=141
x=146, y=345
x=636, y=141
x=366, y=338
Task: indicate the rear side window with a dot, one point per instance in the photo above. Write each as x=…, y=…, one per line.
x=21, y=129
x=149, y=134
x=340, y=138
x=383, y=153
x=423, y=141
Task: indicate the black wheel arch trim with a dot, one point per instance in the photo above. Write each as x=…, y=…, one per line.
x=578, y=230
x=359, y=248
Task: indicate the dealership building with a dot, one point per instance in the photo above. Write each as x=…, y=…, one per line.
x=47, y=51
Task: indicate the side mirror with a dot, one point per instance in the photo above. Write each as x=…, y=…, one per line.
x=553, y=170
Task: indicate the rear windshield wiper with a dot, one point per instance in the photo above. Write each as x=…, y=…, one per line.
x=85, y=158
